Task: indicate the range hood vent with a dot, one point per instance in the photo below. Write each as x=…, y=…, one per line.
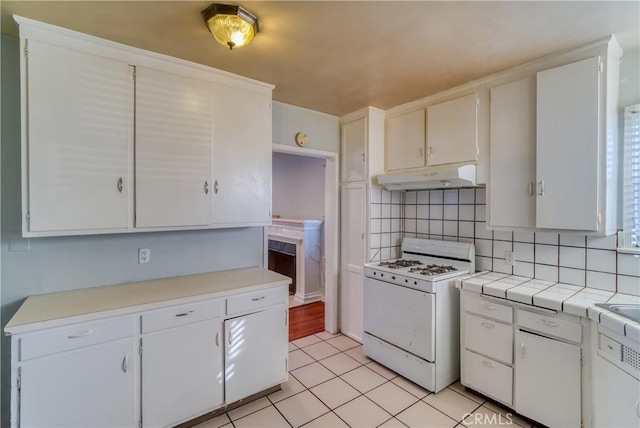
x=442, y=177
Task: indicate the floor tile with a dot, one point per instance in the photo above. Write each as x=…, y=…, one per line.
x=312, y=375
x=460, y=389
x=382, y=370
x=289, y=388
x=216, y=422
x=410, y=387
x=392, y=423
x=340, y=363
x=292, y=347
x=422, y=415
x=362, y=412
x=249, y=408
x=306, y=341
x=363, y=379
x=343, y=343
x=516, y=418
x=301, y=408
x=321, y=350
x=325, y=335
x=451, y=403
x=391, y=398
x=357, y=354
x=335, y=393
x=298, y=358
x=330, y=420
x=268, y=417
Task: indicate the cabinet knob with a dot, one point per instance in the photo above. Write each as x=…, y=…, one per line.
x=488, y=364
x=119, y=184
x=215, y=187
x=430, y=151
x=363, y=157
x=421, y=152
x=206, y=187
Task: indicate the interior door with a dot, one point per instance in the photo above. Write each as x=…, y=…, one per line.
x=401, y=316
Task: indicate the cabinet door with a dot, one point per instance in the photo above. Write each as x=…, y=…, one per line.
x=452, y=131
x=354, y=157
x=173, y=150
x=353, y=257
x=547, y=380
x=256, y=353
x=512, y=172
x=567, y=147
x=181, y=373
x=80, y=140
x=404, y=147
x=87, y=388
x=241, y=157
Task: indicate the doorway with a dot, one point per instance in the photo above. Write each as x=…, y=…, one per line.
x=329, y=264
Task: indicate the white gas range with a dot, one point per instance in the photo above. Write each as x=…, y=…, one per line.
x=411, y=310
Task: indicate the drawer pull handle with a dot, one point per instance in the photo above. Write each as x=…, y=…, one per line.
x=256, y=299
x=522, y=350
x=79, y=335
x=230, y=338
x=184, y=314
x=488, y=307
x=488, y=364
x=488, y=325
x=548, y=323
x=638, y=408
x=125, y=363
x=119, y=185
x=218, y=339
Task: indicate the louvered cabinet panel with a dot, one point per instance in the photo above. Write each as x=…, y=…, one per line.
x=173, y=150
x=79, y=141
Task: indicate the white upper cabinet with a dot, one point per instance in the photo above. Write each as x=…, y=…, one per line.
x=568, y=118
x=173, y=149
x=354, y=150
x=512, y=174
x=241, y=157
x=405, y=141
x=452, y=131
x=78, y=141
x=553, y=145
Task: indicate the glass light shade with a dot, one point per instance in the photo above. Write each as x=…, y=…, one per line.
x=231, y=30
x=231, y=26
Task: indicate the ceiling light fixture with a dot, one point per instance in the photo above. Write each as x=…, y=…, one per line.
x=231, y=26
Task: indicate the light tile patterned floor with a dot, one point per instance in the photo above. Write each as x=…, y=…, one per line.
x=333, y=384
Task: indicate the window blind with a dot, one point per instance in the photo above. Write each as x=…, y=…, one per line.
x=631, y=187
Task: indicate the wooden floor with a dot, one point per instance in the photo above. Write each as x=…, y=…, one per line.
x=306, y=320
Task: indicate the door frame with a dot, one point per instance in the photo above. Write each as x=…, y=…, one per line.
x=330, y=229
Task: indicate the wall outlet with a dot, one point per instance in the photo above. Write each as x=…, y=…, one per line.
x=510, y=258
x=144, y=255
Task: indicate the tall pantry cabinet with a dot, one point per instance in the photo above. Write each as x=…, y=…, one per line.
x=362, y=154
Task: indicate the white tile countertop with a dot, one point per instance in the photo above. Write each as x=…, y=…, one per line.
x=559, y=297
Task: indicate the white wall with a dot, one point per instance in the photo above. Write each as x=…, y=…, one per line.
x=298, y=186
x=322, y=129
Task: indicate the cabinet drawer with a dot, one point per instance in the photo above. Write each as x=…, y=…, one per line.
x=180, y=315
x=489, y=377
x=560, y=328
x=489, y=309
x=75, y=336
x=256, y=300
x=489, y=338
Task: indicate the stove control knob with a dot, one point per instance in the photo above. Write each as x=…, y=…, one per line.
x=393, y=277
x=406, y=280
x=382, y=274
x=415, y=282
x=375, y=273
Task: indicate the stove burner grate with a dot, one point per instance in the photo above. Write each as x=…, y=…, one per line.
x=400, y=263
x=431, y=270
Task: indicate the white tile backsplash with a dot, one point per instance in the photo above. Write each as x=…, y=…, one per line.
x=573, y=257
x=460, y=215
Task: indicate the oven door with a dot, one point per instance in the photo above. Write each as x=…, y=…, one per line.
x=401, y=316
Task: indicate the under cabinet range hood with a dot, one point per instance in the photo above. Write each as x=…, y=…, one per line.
x=441, y=177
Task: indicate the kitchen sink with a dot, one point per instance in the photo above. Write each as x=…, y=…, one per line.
x=629, y=311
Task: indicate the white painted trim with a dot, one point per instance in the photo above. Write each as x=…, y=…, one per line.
x=330, y=228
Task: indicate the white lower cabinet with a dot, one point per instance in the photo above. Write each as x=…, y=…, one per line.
x=88, y=387
x=182, y=373
x=547, y=380
x=254, y=356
